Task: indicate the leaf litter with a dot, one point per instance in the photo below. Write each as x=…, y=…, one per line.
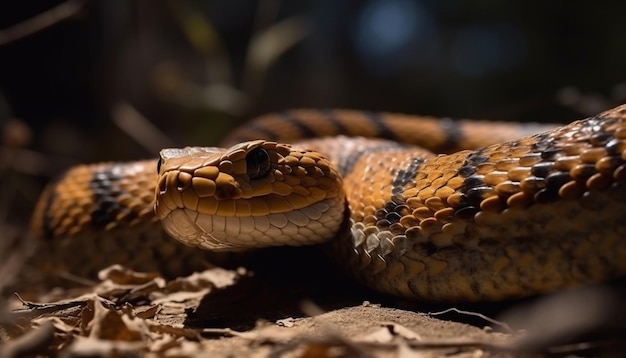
x=130, y=313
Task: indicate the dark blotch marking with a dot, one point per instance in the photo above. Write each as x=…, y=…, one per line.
x=105, y=193
x=330, y=118
x=480, y=193
x=547, y=150
x=346, y=163
x=547, y=195
x=471, y=162
x=467, y=212
x=600, y=139
x=474, y=188
x=390, y=206
x=257, y=127
x=391, y=214
x=472, y=182
x=542, y=140
x=466, y=171
x=542, y=170
x=475, y=158
x=305, y=130
x=395, y=208
x=550, y=153
x=556, y=180
x=381, y=127
x=454, y=134
x=393, y=217
x=269, y=133
x=405, y=176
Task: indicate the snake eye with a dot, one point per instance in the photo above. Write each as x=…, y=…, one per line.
x=258, y=163
x=159, y=166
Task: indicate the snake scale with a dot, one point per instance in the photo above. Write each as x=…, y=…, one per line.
x=512, y=210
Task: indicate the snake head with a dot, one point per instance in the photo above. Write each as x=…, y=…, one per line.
x=253, y=194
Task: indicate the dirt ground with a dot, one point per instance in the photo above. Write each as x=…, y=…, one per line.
x=227, y=314
x=279, y=313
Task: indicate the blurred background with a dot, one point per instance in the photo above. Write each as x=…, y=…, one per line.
x=87, y=80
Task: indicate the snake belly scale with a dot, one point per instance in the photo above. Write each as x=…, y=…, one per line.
x=512, y=210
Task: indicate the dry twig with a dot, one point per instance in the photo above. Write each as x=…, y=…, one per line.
x=37, y=23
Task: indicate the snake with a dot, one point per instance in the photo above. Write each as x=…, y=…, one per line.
x=425, y=208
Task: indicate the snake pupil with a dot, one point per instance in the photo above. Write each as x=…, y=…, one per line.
x=159, y=166
x=258, y=163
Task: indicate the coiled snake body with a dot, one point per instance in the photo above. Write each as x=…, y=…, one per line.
x=516, y=214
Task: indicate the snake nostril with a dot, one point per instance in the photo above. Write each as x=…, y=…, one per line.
x=258, y=163
x=162, y=185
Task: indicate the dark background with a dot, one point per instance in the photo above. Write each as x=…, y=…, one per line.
x=194, y=69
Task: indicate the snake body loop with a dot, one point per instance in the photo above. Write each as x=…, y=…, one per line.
x=512, y=215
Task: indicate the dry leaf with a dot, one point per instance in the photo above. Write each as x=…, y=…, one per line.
x=401, y=331
x=87, y=347
x=124, y=276
x=113, y=325
x=381, y=335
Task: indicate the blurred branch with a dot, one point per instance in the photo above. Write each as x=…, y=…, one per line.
x=173, y=85
x=266, y=14
x=42, y=21
x=205, y=39
x=267, y=46
x=140, y=128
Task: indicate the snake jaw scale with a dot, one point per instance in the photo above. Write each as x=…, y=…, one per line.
x=181, y=227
